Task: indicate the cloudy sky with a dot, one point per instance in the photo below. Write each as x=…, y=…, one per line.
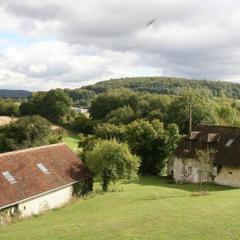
x=69, y=43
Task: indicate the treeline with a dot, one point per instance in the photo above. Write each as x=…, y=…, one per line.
x=170, y=86
x=122, y=106
x=150, y=124
x=14, y=94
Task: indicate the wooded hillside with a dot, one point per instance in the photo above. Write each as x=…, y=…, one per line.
x=6, y=93
x=170, y=85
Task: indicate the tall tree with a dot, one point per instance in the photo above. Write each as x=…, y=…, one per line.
x=152, y=142
x=202, y=110
x=54, y=105
x=112, y=161
x=112, y=100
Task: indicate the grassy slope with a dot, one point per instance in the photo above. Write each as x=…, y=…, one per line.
x=72, y=141
x=150, y=209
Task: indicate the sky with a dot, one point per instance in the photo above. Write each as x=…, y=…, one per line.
x=47, y=44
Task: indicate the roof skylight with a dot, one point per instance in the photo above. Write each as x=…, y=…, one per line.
x=42, y=168
x=229, y=142
x=9, y=177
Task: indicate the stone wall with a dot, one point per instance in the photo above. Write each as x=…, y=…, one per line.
x=188, y=169
x=228, y=176
x=7, y=214
x=170, y=167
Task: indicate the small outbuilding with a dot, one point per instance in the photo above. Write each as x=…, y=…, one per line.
x=223, y=140
x=41, y=178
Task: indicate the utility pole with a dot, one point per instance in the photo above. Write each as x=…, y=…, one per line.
x=190, y=119
x=190, y=126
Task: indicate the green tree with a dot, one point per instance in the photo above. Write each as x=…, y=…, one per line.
x=34, y=105
x=9, y=107
x=109, y=131
x=112, y=161
x=111, y=100
x=83, y=124
x=152, y=142
x=54, y=105
x=202, y=110
x=228, y=115
x=122, y=115
x=81, y=97
x=24, y=133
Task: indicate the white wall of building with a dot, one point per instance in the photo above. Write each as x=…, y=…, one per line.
x=229, y=177
x=47, y=201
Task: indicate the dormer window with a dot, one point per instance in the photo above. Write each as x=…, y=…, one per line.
x=229, y=143
x=43, y=168
x=9, y=177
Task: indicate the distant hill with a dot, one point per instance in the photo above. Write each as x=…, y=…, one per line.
x=6, y=93
x=169, y=85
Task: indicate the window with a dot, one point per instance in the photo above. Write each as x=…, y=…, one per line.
x=229, y=142
x=9, y=177
x=43, y=168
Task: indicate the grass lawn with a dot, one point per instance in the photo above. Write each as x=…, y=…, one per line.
x=149, y=209
x=71, y=140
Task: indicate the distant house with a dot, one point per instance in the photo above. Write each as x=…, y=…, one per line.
x=57, y=129
x=36, y=179
x=225, y=141
x=80, y=110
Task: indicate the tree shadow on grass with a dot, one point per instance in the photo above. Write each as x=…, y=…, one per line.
x=152, y=198
x=190, y=187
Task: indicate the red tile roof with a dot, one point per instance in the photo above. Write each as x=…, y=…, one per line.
x=64, y=166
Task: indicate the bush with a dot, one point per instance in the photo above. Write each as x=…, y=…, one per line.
x=83, y=124
x=82, y=187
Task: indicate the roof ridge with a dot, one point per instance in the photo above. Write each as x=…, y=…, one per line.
x=216, y=125
x=31, y=149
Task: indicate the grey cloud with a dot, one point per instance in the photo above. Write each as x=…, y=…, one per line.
x=191, y=38
x=38, y=10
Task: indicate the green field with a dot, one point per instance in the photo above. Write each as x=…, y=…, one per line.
x=149, y=209
x=71, y=140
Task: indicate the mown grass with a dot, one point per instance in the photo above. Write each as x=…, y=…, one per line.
x=148, y=209
x=72, y=140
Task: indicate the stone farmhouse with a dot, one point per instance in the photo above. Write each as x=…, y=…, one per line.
x=41, y=178
x=223, y=140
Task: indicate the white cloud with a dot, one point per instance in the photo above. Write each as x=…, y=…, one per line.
x=71, y=43
x=52, y=64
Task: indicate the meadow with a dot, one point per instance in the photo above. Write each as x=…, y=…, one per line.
x=72, y=140
x=148, y=209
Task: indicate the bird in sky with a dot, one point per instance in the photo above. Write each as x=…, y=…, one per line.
x=150, y=23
